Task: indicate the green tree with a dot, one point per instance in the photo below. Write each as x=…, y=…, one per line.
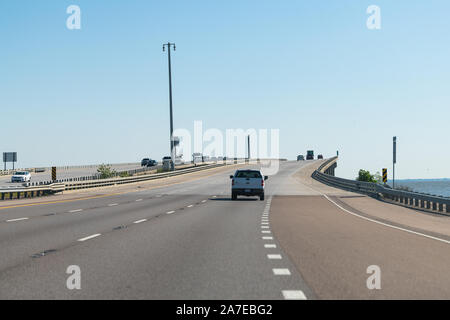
x=106, y=171
x=364, y=175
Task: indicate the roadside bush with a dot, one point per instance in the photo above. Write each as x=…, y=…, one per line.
x=105, y=171
x=365, y=176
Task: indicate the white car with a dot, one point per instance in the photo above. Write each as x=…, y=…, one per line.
x=247, y=183
x=21, y=176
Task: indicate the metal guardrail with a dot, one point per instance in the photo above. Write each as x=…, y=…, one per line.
x=29, y=191
x=116, y=181
x=434, y=204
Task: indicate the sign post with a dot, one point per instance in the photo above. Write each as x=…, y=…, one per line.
x=394, y=161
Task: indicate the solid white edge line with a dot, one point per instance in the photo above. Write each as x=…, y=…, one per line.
x=386, y=224
x=89, y=237
x=18, y=219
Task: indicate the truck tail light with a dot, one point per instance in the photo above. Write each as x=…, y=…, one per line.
x=262, y=183
x=232, y=182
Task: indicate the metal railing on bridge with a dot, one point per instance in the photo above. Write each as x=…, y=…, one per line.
x=415, y=200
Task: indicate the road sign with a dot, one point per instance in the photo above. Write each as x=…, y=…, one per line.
x=9, y=157
x=53, y=173
x=385, y=175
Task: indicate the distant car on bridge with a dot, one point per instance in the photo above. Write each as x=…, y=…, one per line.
x=144, y=162
x=320, y=156
x=151, y=163
x=21, y=176
x=300, y=157
x=310, y=155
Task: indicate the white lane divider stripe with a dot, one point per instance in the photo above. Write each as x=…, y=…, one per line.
x=274, y=256
x=293, y=295
x=265, y=231
x=170, y=212
x=18, y=219
x=140, y=221
x=190, y=206
x=203, y=201
x=265, y=227
x=76, y=210
x=267, y=238
x=281, y=272
x=113, y=204
x=138, y=200
x=90, y=237
x=270, y=246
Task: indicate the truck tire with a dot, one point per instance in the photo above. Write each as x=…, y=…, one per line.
x=233, y=196
x=261, y=197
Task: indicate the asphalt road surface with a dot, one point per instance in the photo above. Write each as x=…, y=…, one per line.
x=185, y=241
x=188, y=240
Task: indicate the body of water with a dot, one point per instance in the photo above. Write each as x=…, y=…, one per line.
x=440, y=187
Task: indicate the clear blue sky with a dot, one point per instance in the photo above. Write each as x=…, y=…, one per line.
x=309, y=68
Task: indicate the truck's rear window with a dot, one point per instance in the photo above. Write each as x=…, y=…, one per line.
x=248, y=174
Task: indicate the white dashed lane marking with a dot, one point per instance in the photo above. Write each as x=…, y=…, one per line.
x=113, y=204
x=274, y=256
x=76, y=210
x=190, y=206
x=90, y=237
x=267, y=238
x=18, y=219
x=140, y=221
x=138, y=200
x=265, y=231
x=270, y=246
x=170, y=212
x=281, y=272
x=293, y=295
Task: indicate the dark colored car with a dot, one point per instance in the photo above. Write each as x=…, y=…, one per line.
x=320, y=156
x=144, y=162
x=152, y=163
x=310, y=155
x=300, y=157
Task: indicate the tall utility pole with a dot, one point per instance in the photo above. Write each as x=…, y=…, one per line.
x=169, y=45
x=248, y=146
x=394, y=160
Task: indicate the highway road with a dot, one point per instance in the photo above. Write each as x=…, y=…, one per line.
x=65, y=173
x=183, y=238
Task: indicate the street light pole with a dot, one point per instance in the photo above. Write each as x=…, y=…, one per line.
x=169, y=45
x=394, y=160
